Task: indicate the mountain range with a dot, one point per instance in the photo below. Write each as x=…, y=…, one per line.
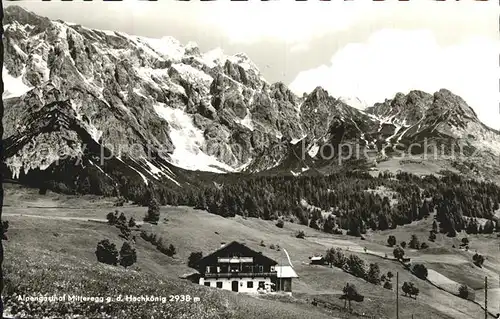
x=104, y=112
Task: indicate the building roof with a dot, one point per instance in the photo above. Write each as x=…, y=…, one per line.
x=230, y=249
x=285, y=272
x=317, y=258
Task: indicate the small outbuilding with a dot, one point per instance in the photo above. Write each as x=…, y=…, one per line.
x=317, y=260
x=284, y=275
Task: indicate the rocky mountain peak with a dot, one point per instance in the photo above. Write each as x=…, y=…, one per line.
x=208, y=111
x=22, y=16
x=404, y=109
x=445, y=100
x=318, y=94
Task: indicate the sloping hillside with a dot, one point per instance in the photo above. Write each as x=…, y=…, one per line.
x=36, y=243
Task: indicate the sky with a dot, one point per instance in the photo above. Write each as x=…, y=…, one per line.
x=354, y=49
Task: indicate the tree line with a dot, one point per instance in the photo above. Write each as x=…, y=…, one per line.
x=349, y=199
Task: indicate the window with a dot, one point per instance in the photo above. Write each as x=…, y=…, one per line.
x=235, y=268
x=219, y=284
x=261, y=268
x=249, y=284
x=262, y=285
x=208, y=269
x=207, y=284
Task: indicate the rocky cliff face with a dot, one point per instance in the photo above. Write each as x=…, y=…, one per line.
x=90, y=92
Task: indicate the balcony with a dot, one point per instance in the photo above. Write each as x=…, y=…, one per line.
x=239, y=274
x=234, y=260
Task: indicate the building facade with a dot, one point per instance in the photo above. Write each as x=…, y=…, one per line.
x=238, y=268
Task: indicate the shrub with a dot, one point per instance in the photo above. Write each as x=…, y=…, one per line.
x=478, y=260
x=153, y=214
x=120, y=201
x=122, y=219
x=373, y=275
x=414, y=243
x=434, y=227
x=131, y=222
x=432, y=236
x=420, y=271
x=171, y=250
x=463, y=291
x=128, y=255
x=388, y=285
x=350, y=293
x=489, y=227
x=335, y=257
x=280, y=223
x=314, y=224
x=338, y=231
x=111, y=218
x=398, y=253
x=465, y=241
x=106, y=252
x=424, y=246
x=403, y=244
x=356, y=266
x=160, y=246
x=391, y=241
x=155, y=240
x=272, y=246
x=194, y=258
x=329, y=224
x=146, y=236
x=125, y=231
x=390, y=275
x=262, y=243
x=300, y=234
x=410, y=289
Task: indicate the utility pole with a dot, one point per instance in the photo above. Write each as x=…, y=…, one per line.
x=485, y=297
x=397, y=295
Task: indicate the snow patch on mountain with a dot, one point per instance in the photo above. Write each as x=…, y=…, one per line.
x=43, y=151
x=168, y=47
x=100, y=169
x=13, y=86
x=354, y=102
x=155, y=171
x=244, y=61
x=154, y=77
x=396, y=131
x=192, y=74
x=247, y=121
x=214, y=57
x=18, y=50
x=188, y=142
x=140, y=174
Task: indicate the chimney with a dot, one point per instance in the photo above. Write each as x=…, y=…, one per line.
x=222, y=244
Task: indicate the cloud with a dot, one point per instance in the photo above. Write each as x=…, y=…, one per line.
x=285, y=20
x=392, y=61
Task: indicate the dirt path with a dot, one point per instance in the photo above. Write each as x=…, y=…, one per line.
x=57, y=217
